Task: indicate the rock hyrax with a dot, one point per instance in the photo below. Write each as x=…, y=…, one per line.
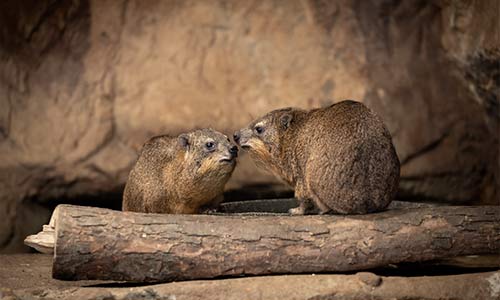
x=180, y=175
x=339, y=159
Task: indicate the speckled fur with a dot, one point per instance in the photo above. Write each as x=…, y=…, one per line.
x=339, y=159
x=170, y=177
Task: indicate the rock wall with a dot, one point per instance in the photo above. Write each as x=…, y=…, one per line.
x=84, y=83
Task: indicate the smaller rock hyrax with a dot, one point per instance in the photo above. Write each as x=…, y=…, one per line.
x=339, y=159
x=180, y=175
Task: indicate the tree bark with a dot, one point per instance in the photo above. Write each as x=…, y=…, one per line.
x=44, y=240
x=95, y=243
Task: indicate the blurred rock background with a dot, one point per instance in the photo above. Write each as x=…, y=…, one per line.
x=84, y=83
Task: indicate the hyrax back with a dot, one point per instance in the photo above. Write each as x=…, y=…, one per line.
x=339, y=159
x=180, y=175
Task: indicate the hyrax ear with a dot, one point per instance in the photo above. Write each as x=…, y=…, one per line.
x=183, y=140
x=285, y=120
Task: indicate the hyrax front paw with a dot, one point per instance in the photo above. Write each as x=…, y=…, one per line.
x=297, y=211
x=208, y=210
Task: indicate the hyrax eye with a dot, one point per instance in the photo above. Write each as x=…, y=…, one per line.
x=259, y=129
x=210, y=145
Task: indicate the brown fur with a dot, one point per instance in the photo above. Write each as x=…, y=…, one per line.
x=339, y=159
x=179, y=175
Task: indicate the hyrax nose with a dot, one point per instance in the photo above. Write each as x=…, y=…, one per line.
x=236, y=137
x=234, y=151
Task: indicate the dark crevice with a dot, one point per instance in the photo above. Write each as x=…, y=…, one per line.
x=258, y=191
x=430, y=268
x=426, y=149
x=109, y=199
x=426, y=176
x=484, y=73
x=51, y=8
x=421, y=197
x=112, y=198
x=9, y=238
x=427, y=269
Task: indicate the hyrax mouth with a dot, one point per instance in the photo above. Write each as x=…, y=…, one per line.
x=227, y=160
x=245, y=145
x=233, y=153
x=239, y=141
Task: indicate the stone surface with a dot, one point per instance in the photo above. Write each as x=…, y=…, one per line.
x=27, y=276
x=369, y=278
x=84, y=83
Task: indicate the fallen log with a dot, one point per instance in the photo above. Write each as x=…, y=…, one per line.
x=44, y=240
x=94, y=243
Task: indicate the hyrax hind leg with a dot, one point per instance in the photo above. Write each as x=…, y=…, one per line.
x=303, y=202
x=314, y=187
x=307, y=205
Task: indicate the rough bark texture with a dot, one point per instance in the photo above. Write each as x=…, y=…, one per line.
x=44, y=240
x=95, y=243
x=84, y=83
x=18, y=271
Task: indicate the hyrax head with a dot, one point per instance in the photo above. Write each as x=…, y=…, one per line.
x=208, y=151
x=262, y=138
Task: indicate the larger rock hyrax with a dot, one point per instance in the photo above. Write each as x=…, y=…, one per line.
x=339, y=159
x=180, y=175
